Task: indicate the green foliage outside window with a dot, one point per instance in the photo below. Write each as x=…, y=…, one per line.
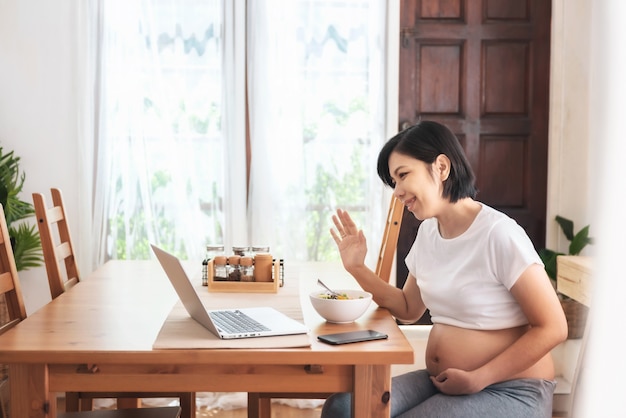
x=332, y=187
x=346, y=192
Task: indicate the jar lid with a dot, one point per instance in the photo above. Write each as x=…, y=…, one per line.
x=246, y=261
x=219, y=248
x=260, y=248
x=234, y=259
x=220, y=259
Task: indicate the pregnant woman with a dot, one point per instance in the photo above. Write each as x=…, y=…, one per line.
x=495, y=314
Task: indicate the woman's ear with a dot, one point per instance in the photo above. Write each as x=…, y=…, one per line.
x=442, y=167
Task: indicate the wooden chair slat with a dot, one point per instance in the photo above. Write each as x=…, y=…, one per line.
x=55, y=214
x=6, y=282
x=63, y=251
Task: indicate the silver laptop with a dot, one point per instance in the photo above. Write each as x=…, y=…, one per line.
x=226, y=323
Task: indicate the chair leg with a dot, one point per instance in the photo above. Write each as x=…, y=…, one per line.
x=72, y=402
x=188, y=405
x=86, y=404
x=259, y=406
x=128, y=403
x=4, y=397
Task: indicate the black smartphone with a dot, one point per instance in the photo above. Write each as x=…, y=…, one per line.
x=351, y=337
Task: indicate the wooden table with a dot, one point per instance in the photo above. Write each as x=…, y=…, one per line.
x=99, y=335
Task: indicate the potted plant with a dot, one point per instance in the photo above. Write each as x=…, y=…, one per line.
x=576, y=313
x=24, y=237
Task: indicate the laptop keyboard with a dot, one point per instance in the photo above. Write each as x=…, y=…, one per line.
x=236, y=322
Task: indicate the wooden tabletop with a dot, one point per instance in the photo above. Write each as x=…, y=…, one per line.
x=116, y=313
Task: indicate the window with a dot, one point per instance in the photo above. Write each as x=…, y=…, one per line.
x=239, y=123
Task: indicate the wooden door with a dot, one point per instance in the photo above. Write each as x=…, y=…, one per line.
x=482, y=68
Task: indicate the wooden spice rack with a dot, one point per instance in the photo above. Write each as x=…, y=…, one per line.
x=244, y=287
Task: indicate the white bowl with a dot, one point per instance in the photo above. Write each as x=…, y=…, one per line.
x=341, y=310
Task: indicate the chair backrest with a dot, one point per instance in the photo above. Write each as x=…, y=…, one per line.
x=390, y=239
x=56, y=243
x=10, y=288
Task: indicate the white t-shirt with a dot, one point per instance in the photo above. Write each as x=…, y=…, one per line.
x=465, y=281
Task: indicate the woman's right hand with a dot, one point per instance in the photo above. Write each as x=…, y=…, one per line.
x=350, y=240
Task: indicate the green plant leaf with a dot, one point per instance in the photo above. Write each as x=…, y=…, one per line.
x=567, y=226
x=24, y=238
x=580, y=241
x=26, y=246
x=549, y=260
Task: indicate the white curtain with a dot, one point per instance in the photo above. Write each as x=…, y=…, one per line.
x=174, y=93
x=165, y=171
x=87, y=18
x=317, y=121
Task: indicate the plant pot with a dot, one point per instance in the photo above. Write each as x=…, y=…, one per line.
x=576, y=315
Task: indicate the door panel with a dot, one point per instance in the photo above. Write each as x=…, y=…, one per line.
x=482, y=68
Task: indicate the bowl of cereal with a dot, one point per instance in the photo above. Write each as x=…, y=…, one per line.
x=347, y=306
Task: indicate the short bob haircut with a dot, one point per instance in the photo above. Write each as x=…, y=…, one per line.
x=425, y=141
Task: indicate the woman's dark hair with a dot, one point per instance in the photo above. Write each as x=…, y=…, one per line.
x=425, y=141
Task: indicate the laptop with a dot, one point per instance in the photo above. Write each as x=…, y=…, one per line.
x=226, y=323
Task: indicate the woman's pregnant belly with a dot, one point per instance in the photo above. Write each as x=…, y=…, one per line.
x=465, y=349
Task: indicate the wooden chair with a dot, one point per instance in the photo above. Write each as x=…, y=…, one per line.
x=53, y=228
x=56, y=243
x=12, y=302
x=11, y=291
x=259, y=404
x=389, y=241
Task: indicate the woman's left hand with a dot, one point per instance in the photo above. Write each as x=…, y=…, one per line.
x=456, y=382
x=349, y=239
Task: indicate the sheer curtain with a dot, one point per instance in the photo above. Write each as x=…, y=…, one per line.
x=317, y=121
x=174, y=92
x=169, y=169
x=88, y=27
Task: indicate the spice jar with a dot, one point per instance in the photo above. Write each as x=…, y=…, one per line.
x=220, y=269
x=255, y=249
x=281, y=272
x=234, y=271
x=241, y=251
x=263, y=267
x=211, y=252
x=247, y=269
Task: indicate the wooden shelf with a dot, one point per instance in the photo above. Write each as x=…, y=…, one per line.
x=574, y=277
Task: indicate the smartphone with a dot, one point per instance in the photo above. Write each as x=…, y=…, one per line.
x=351, y=337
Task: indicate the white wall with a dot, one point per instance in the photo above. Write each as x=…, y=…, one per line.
x=37, y=106
x=569, y=172
x=603, y=381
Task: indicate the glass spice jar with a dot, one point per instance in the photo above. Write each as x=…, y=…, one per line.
x=247, y=269
x=281, y=272
x=211, y=252
x=255, y=249
x=263, y=267
x=241, y=251
x=234, y=271
x=220, y=268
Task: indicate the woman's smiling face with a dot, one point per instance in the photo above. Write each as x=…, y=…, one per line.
x=419, y=185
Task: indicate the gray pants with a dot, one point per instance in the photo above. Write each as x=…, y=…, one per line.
x=413, y=395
